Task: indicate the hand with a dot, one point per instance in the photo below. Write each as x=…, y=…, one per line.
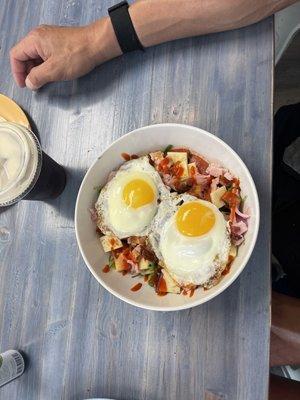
x=54, y=53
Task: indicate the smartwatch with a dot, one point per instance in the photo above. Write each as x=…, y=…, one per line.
x=123, y=27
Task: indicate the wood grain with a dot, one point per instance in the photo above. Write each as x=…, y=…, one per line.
x=81, y=341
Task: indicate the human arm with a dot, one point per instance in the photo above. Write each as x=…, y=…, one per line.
x=51, y=53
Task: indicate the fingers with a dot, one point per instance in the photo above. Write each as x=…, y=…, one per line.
x=21, y=56
x=40, y=75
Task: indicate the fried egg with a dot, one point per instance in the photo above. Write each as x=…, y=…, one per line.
x=128, y=202
x=191, y=237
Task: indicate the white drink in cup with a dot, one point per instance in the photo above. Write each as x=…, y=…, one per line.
x=26, y=172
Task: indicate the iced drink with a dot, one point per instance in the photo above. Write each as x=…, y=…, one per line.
x=26, y=172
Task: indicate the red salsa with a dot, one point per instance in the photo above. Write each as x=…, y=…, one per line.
x=136, y=287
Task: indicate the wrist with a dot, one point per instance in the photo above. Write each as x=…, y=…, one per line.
x=103, y=42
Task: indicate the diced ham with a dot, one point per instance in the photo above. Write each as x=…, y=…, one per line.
x=137, y=240
x=237, y=240
x=136, y=251
x=228, y=175
x=180, y=150
x=239, y=228
x=134, y=266
x=184, y=185
x=214, y=184
x=242, y=216
x=201, y=191
x=202, y=179
x=156, y=157
x=148, y=254
x=169, y=180
x=217, y=171
x=201, y=164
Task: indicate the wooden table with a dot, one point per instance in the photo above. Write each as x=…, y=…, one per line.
x=80, y=340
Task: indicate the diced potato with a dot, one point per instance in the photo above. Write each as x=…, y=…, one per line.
x=190, y=166
x=182, y=159
x=172, y=286
x=233, y=251
x=119, y=262
x=144, y=264
x=216, y=196
x=136, y=240
x=136, y=252
x=110, y=242
x=156, y=156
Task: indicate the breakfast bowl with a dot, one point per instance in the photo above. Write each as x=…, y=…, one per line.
x=140, y=142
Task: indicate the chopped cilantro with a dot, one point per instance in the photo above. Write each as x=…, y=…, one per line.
x=242, y=203
x=224, y=209
x=111, y=262
x=168, y=148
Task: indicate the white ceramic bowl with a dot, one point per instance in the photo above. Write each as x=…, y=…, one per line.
x=141, y=141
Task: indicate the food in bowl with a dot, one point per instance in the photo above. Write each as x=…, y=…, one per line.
x=172, y=218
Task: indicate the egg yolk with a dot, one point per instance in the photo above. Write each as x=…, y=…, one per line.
x=194, y=219
x=137, y=193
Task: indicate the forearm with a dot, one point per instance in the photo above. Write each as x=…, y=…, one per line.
x=158, y=21
x=52, y=53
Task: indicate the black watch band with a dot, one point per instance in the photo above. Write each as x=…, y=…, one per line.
x=123, y=27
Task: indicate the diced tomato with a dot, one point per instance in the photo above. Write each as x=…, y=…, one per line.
x=161, y=286
x=163, y=166
x=231, y=198
x=177, y=170
x=126, y=265
x=106, y=269
x=128, y=256
x=236, y=182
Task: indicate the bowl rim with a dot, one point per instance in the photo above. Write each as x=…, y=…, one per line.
x=219, y=289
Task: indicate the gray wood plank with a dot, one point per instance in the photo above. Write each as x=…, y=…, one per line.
x=81, y=341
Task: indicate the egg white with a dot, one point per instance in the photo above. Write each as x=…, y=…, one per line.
x=115, y=216
x=190, y=260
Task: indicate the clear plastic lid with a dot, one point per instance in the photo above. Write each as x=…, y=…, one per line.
x=20, y=162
